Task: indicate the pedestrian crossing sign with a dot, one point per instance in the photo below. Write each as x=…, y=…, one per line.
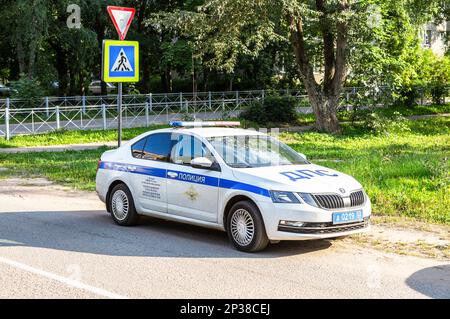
x=120, y=61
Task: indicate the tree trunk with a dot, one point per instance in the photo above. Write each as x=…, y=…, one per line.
x=325, y=112
x=145, y=76
x=324, y=98
x=324, y=106
x=62, y=70
x=166, y=79
x=82, y=80
x=100, y=31
x=72, y=84
x=230, y=83
x=21, y=56
x=205, y=80
x=32, y=59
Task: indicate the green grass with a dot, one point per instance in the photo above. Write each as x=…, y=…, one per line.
x=76, y=169
x=405, y=174
x=73, y=137
x=416, y=110
x=345, y=116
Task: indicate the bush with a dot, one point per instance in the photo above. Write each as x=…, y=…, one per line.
x=408, y=95
x=426, y=75
x=384, y=125
x=272, y=109
x=28, y=89
x=438, y=92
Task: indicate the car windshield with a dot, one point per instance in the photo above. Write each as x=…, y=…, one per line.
x=244, y=151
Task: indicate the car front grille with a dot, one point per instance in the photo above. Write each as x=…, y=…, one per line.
x=325, y=228
x=357, y=198
x=336, y=201
x=329, y=201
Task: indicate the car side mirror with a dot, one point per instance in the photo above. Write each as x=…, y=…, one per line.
x=303, y=155
x=201, y=162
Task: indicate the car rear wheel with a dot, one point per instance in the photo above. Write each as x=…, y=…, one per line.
x=245, y=227
x=122, y=206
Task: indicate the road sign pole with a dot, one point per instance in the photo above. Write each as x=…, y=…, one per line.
x=121, y=18
x=119, y=117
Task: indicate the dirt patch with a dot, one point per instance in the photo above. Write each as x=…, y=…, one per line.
x=406, y=237
x=40, y=190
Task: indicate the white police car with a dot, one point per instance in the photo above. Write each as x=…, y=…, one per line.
x=241, y=181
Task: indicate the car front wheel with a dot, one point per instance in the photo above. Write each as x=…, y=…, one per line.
x=245, y=227
x=122, y=206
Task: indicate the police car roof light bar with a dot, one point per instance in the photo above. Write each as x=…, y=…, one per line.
x=204, y=124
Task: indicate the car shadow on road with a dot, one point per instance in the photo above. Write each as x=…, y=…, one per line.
x=433, y=282
x=94, y=232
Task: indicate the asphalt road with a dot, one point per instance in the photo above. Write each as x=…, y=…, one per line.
x=60, y=243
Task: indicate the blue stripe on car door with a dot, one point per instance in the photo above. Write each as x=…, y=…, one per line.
x=211, y=181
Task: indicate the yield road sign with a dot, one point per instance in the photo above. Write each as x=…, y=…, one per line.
x=120, y=61
x=121, y=18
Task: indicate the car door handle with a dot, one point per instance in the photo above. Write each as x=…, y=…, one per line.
x=172, y=174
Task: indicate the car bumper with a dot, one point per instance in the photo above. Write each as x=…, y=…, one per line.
x=101, y=196
x=316, y=222
x=100, y=185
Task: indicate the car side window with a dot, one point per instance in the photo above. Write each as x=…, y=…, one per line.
x=186, y=148
x=157, y=147
x=138, y=148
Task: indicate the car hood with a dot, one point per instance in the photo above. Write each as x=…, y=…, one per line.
x=309, y=178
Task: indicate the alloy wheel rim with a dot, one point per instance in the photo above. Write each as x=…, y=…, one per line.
x=120, y=205
x=242, y=227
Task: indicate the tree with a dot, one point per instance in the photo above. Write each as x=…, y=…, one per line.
x=324, y=36
x=386, y=54
x=334, y=32
x=27, y=30
x=166, y=50
x=226, y=28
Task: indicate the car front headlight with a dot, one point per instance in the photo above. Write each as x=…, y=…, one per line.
x=283, y=197
x=308, y=199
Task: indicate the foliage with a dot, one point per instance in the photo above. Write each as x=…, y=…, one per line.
x=392, y=54
x=28, y=89
x=272, y=109
x=376, y=39
x=404, y=174
x=439, y=80
x=426, y=75
x=242, y=45
x=384, y=125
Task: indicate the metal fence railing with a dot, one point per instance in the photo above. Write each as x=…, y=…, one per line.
x=20, y=116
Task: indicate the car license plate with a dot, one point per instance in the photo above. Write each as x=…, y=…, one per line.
x=348, y=217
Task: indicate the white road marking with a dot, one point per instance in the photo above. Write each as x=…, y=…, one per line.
x=62, y=279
